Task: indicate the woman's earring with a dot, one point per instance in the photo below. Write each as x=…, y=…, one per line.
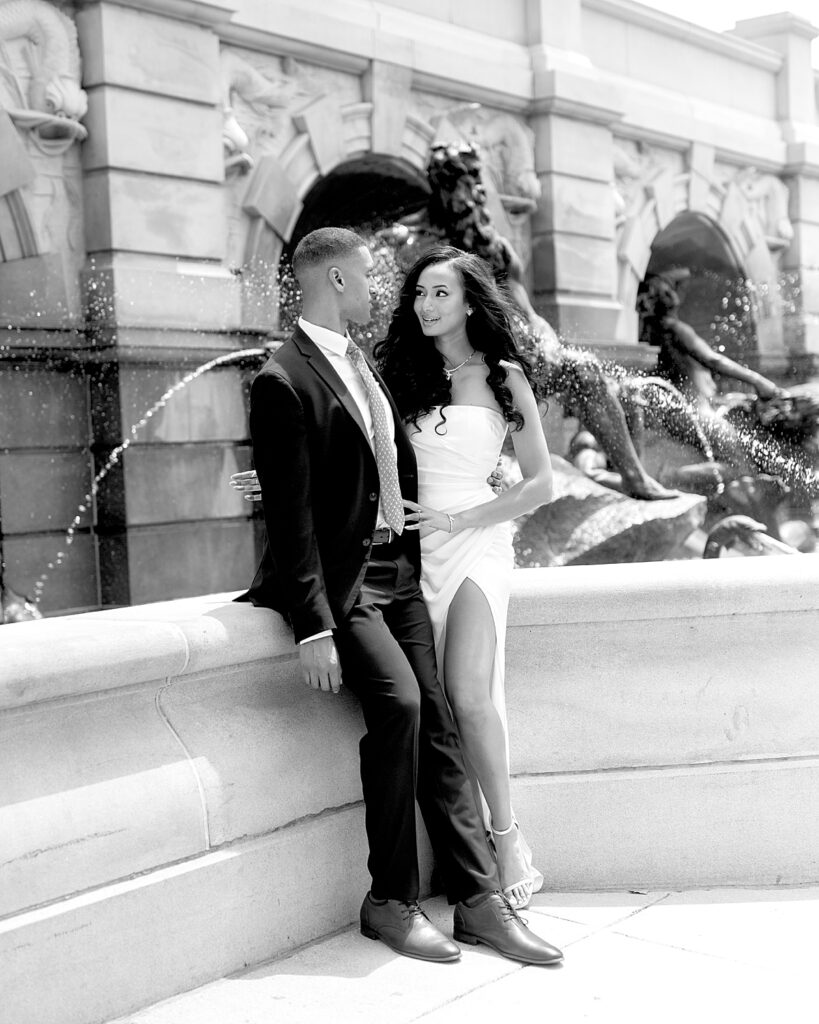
x=469, y=312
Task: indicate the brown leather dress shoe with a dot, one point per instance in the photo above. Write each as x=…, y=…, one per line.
x=406, y=929
x=493, y=922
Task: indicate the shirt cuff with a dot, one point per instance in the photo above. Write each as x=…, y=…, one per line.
x=316, y=636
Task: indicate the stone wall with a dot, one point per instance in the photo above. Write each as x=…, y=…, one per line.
x=174, y=804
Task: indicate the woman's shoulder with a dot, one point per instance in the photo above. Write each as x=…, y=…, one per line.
x=515, y=370
x=515, y=377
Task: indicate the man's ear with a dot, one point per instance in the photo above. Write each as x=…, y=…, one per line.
x=336, y=278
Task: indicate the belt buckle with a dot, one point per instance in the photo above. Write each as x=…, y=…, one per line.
x=383, y=535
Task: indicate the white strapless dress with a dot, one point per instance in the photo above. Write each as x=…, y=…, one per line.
x=455, y=457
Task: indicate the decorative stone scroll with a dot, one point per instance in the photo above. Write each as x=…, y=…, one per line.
x=40, y=74
x=767, y=198
x=509, y=146
x=240, y=78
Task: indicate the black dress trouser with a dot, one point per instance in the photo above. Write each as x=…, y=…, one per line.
x=410, y=749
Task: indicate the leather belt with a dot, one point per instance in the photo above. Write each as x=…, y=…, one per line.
x=384, y=535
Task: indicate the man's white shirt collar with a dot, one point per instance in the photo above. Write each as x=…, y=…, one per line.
x=323, y=336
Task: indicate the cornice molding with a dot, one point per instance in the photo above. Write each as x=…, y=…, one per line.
x=669, y=25
x=280, y=45
x=784, y=23
x=208, y=13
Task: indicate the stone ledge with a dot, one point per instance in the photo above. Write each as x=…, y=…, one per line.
x=109, y=650
x=170, y=791
x=660, y=590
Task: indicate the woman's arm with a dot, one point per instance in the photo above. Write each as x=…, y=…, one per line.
x=534, y=490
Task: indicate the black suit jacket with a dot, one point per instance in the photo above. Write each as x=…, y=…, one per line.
x=320, y=488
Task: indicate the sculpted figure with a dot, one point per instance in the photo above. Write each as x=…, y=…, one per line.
x=240, y=78
x=510, y=160
x=15, y=607
x=457, y=212
x=54, y=102
x=764, y=446
x=768, y=198
x=689, y=363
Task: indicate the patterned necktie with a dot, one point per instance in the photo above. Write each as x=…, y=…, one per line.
x=391, y=503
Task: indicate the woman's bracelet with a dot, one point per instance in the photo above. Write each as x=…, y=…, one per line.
x=451, y=521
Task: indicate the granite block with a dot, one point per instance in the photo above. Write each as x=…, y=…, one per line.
x=44, y=491
x=175, y=482
x=41, y=408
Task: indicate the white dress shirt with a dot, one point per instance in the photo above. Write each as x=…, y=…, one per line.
x=334, y=347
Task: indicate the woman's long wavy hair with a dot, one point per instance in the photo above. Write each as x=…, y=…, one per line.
x=414, y=369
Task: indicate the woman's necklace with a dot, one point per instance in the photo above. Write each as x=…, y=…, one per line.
x=448, y=373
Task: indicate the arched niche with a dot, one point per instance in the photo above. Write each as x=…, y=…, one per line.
x=370, y=191
x=367, y=193
x=362, y=155
x=660, y=197
x=716, y=299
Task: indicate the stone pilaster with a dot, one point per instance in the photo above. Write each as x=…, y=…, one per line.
x=154, y=168
x=160, y=301
x=791, y=36
x=574, y=252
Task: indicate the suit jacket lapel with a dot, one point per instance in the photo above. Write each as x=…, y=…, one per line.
x=321, y=365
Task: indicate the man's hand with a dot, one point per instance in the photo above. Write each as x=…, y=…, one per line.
x=319, y=664
x=248, y=484
x=495, y=478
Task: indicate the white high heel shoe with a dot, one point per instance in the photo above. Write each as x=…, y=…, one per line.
x=525, y=884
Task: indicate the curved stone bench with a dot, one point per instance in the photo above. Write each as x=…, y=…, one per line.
x=176, y=804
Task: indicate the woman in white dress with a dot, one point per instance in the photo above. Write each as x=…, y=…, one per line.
x=452, y=365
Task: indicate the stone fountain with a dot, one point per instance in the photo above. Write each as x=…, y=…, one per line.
x=165, y=779
x=156, y=252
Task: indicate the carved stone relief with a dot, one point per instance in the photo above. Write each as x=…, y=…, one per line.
x=633, y=166
x=40, y=73
x=767, y=199
x=259, y=95
x=259, y=98
x=507, y=147
x=638, y=167
x=749, y=207
x=42, y=99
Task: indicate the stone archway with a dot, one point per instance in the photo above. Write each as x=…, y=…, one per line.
x=734, y=210
x=373, y=190
x=367, y=194
x=715, y=298
x=329, y=137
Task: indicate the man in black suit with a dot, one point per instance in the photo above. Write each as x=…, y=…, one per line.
x=334, y=463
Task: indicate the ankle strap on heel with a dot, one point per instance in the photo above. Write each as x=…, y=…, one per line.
x=503, y=831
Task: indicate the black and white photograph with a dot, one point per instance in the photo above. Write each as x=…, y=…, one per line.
x=409, y=511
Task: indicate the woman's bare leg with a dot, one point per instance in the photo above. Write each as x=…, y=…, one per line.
x=468, y=658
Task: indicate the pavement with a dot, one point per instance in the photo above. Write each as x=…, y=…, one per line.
x=716, y=956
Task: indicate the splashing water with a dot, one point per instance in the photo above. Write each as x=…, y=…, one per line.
x=767, y=454
x=777, y=463
x=670, y=397
x=113, y=458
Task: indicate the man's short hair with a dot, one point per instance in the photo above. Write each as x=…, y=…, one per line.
x=324, y=244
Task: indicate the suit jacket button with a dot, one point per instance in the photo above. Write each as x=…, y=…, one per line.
x=366, y=542
x=373, y=496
